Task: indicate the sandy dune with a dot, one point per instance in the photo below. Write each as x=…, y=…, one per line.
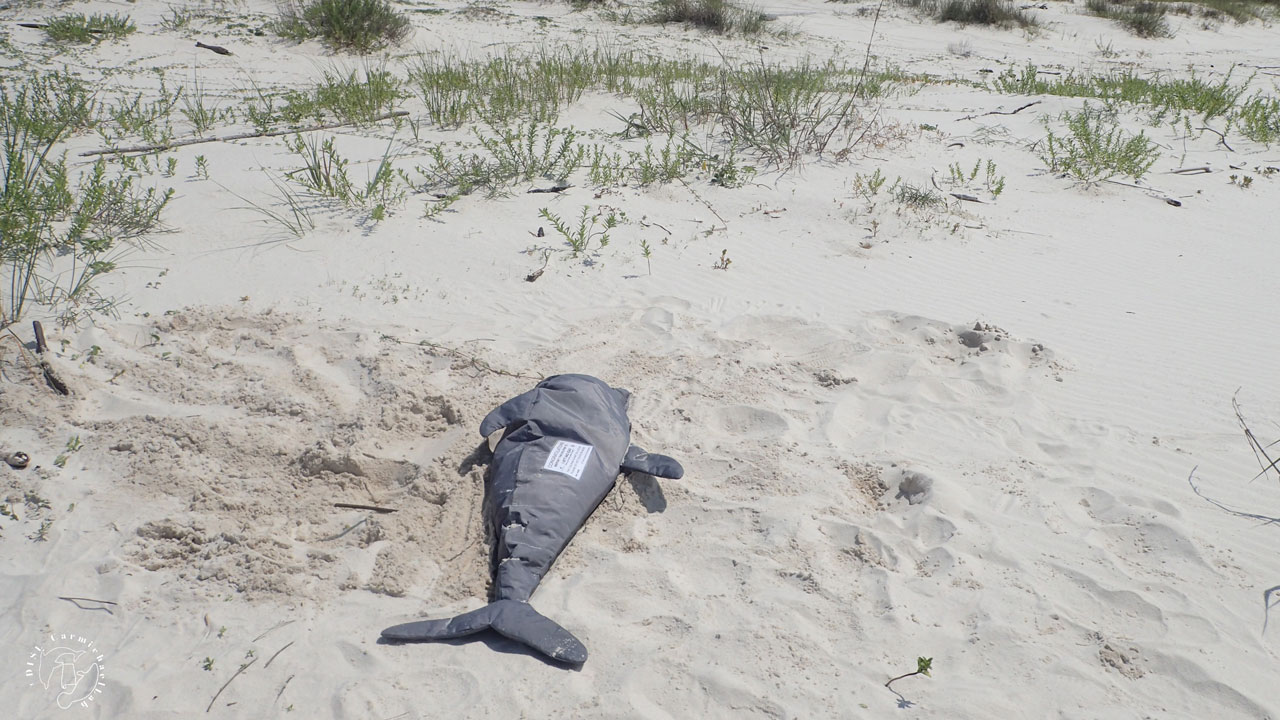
x=964, y=432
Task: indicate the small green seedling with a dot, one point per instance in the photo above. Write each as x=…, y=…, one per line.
x=724, y=262
x=646, y=252
x=207, y=664
x=923, y=665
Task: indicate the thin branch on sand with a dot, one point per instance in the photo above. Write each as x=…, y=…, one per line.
x=472, y=360
x=237, y=136
x=1264, y=519
x=355, y=506
x=1002, y=112
x=233, y=677
x=273, y=657
x=1259, y=450
x=77, y=600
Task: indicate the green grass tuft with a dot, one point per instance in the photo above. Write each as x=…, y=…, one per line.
x=359, y=25
x=1142, y=17
x=1001, y=13
x=1094, y=148
x=721, y=16
x=78, y=27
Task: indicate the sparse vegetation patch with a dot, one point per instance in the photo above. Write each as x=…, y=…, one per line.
x=359, y=25
x=81, y=28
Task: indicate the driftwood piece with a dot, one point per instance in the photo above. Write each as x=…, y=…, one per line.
x=354, y=506
x=216, y=48
x=224, y=685
x=1003, y=112
x=237, y=136
x=50, y=376
x=552, y=189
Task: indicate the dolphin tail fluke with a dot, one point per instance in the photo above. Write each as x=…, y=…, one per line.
x=510, y=618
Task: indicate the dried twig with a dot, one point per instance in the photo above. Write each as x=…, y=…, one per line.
x=704, y=202
x=1003, y=112
x=50, y=376
x=1267, y=605
x=224, y=685
x=1264, y=519
x=356, y=506
x=272, y=629
x=237, y=136
x=1221, y=138
x=216, y=48
x=552, y=189
x=282, y=687
x=1153, y=192
x=472, y=360
x=1259, y=450
x=273, y=657
x=77, y=600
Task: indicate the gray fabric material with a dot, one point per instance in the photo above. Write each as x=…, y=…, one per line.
x=565, y=442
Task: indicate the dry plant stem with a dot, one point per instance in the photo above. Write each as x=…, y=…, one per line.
x=233, y=677
x=704, y=202
x=866, y=63
x=273, y=657
x=355, y=506
x=282, y=687
x=1259, y=450
x=274, y=628
x=1221, y=138
x=1264, y=519
x=905, y=675
x=77, y=600
x=38, y=329
x=1002, y=112
x=237, y=136
x=474, y=361
x=50, y=376
x=1153, y=192
x=1267, y=605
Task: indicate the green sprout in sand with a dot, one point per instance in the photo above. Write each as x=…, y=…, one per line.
x=923, y=665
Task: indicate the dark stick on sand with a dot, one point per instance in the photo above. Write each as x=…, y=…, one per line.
x=77, y=600
x=50, y=376
x=1002, y=112
x=354, y=506
x=237, y=136
x=216, y=48
x=233, y=677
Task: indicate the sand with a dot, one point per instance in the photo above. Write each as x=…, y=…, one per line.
x=972, y=433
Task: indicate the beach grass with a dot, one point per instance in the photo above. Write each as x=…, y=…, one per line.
x=81, y=28
x=357, y=25
x=84, y=220
x=721, y=16
x=998, y=13
x=1143, y=18
x=1093, y=148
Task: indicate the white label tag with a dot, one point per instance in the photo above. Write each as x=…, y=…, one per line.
x=568, y=458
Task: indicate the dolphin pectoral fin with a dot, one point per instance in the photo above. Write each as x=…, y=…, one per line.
x=637, y=460
x=510, y=618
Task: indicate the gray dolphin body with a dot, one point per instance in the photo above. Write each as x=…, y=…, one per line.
x=565, y=442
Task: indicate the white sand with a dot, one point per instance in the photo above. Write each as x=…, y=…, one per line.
x=1060, y=564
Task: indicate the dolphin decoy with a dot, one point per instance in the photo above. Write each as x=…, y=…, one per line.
x=562, y=447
